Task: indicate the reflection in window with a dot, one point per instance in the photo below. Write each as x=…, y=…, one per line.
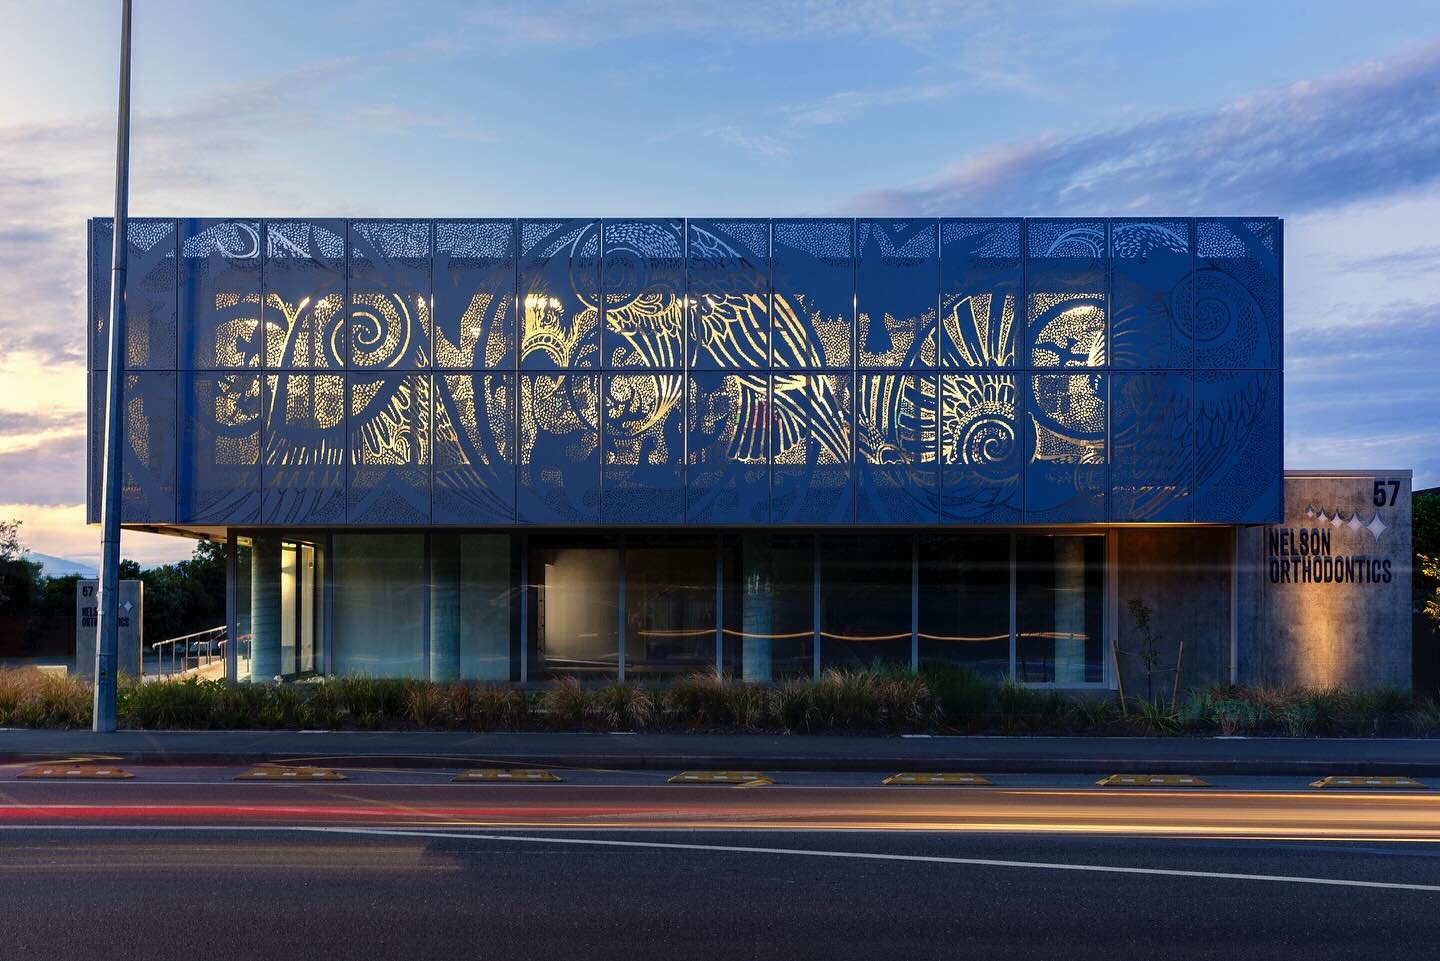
x=470, y=608
x=769, y=606
x=965, y=602
x=1058, y=608
x=669, y=605
x=864, y=601
x=244, y=568
x=574, y=620
x=379, y=604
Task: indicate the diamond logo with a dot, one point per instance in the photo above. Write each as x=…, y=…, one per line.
x=1376, y=526
x=128, y=607
x=1323, y=516
x=1354, y=522
x=1336, y=521
x=1310, y=511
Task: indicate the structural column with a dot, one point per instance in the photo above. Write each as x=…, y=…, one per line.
x=444, y=607
x=1069, y=610
x=265, y=613
x=757, y=611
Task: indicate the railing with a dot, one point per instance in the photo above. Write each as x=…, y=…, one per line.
x=190, y=652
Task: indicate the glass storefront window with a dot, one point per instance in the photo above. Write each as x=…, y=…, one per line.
x=669, y=605
x=472, y=608
x=573, y=598
x=769, y=606
x=865, y=600
x=379, y=605
x=965, y=602
x=1059, y=609
x=462, y=623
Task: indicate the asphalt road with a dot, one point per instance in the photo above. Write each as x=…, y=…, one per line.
x=187, y=863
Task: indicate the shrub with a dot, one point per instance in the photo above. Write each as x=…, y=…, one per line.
x=1424, y=718
x=624, y=707
x=1235, y=715
x=699, y=700
x=498, y=706
x=1198, y=711
x=963, y=696
x=847, y=699
x=1094, y=713
x=1016, y=705
x=33, y=698
x=568, y=704
x=795, y=706
x=360, y=696
x=425, y=703
x=187, y=704
x=1154, y=716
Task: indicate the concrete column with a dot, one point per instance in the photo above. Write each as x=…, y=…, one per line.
x=757, y=611
x=1069, y=610
x=265, y=614
x=444, y=607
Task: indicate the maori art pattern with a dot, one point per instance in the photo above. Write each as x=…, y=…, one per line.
x=475, y=372
x=980, y=443
x=151, y=268
x=896, y=304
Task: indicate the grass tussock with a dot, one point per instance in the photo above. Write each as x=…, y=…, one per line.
x=876, y=699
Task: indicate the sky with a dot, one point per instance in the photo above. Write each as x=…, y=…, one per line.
x=1324, y=113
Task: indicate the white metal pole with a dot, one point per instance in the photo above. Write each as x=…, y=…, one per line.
x=108, y=640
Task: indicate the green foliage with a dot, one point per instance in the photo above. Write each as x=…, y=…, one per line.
x=623, y=707
x=20, y=580
x=964, y=697
x=1424, y=718
x=568, y=704
x=842, y=700
x=795, y=706
x=1150, y=641
x=33, y=698
x=1154, y=716
x=701, y=700
x=187, y=596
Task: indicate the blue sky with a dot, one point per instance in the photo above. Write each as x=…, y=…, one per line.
x=1327, y=114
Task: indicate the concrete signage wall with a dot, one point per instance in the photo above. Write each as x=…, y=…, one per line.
x=132, y=633
x=1324, y=597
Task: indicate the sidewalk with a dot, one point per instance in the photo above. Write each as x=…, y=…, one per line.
x=672, y=751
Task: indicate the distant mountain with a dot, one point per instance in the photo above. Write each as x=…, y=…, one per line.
x=52, y=566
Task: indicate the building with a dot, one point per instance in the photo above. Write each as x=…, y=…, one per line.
x=515, y=449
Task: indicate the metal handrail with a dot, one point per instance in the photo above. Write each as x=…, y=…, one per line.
x=180, y=648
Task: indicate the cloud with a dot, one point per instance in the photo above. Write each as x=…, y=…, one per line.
x=1359, y=394
x=1362, y=133
x=576, y=23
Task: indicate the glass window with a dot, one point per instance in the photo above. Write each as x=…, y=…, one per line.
x=769, y=606
x=244, y=555
x=864, y=601
x=379, y=605
x=471, y=608
x=669, y=605
x=965, y=602
x=574, y=620
x=1059, y=612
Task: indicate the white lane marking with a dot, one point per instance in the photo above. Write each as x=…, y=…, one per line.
x=742, y=849
x=920, y=858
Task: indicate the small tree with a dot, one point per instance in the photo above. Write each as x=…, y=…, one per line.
x=1429, y=601
x=1149, y=642
x=18, y=577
